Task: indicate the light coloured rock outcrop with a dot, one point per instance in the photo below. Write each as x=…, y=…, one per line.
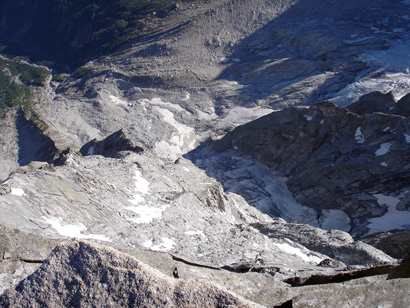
x=79, y=274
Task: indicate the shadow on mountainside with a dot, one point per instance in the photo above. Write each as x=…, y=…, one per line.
x=312, y=50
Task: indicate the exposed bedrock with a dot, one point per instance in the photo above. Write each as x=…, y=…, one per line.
x=334, y=159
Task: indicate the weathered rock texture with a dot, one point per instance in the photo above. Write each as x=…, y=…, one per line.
x=82, y=274
x=212, y=66
x=79, y=274
x=334, y=159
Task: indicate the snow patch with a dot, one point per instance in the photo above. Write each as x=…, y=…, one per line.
x=181, y=141
x=196, y=233
x=308, y=117
x=207, y=116
x=73, y=230
x=141, y=187
x=393, y=63
x=118, y=101
x=384, y=164
x=358, y=136
x=393, y=219
x=147, y=213
x=166, y=244
x=17, y=192
x=299, y=253
x=407, y=137
x=156, y=101
x=240, y=115
x=384, y=149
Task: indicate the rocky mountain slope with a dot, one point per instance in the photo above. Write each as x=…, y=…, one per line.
x=353, y=170
x=153, y=150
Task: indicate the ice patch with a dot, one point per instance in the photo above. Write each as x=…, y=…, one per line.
x=335, y=219
x=90, y=151
x=384, y=149
x=260, y=187
x=384, y=164
x=393, y=219
x=407, y=137
x=308, y=117
x=298, y=252
x=73, y=230
x=17, y=192
x=393, y=65
x=386, y=129
x=147, y=213
x=165, y=245
x=358, y=136
x=236, y=60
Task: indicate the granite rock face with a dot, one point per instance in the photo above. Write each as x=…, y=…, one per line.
x=334, y=159
x=79, y=274
x=210, y=67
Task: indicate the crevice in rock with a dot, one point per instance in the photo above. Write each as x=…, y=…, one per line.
x=287, y=304
x=342, y=277
x=176, y=258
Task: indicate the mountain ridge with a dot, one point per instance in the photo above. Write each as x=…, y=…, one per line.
x=132, y=168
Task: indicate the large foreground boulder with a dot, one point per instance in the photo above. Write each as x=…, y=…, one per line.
x=79, y=274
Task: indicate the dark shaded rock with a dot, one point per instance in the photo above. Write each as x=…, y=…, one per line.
x=373, y=102
x=395, y=244
x=111, y=146
x=403, y=106
x=340, y=277
x=402, y=271
x=334, y=159
x=79, y=274
x=330, y=263
x=33, y=144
